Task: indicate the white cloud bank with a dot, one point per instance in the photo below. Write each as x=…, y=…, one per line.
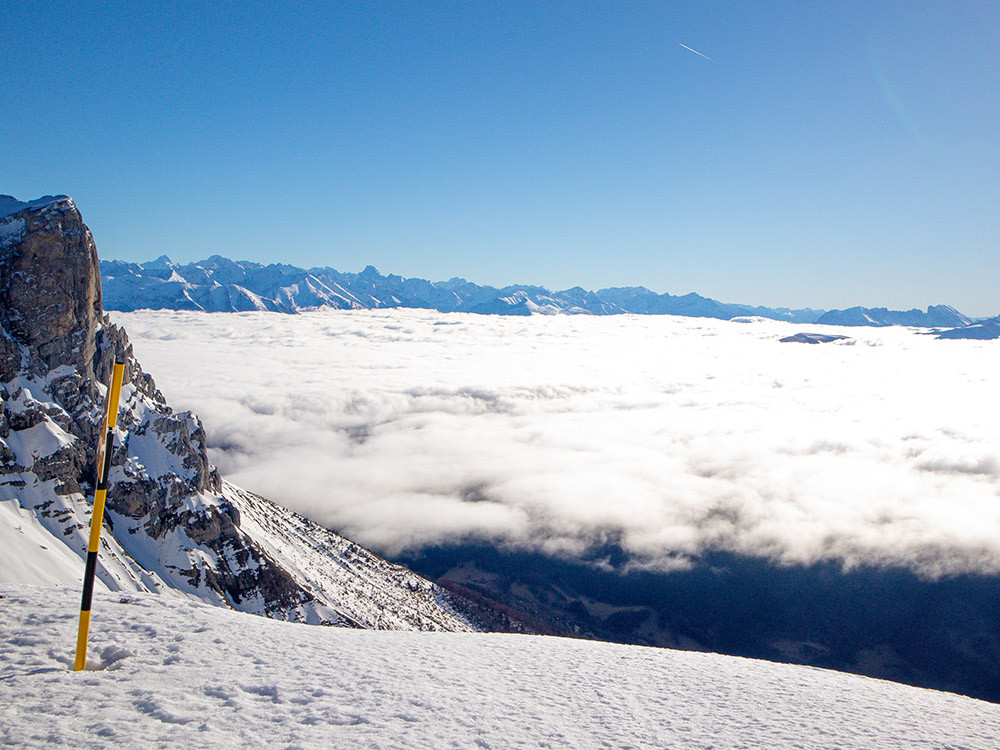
x=671, y=435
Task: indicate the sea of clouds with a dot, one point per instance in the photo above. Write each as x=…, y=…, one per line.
x=667, y=435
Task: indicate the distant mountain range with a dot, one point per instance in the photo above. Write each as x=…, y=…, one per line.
x=218, y=284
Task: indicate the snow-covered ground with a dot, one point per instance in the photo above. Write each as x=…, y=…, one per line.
x=166, y=672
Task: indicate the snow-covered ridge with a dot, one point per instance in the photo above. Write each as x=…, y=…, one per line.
x=12, y=224
x=218, y=284
x=10, y=205
x=169, y=673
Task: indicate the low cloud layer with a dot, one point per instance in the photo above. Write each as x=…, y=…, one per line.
x=669, y=435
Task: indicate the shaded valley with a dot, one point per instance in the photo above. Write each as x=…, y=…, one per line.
x=886, y=623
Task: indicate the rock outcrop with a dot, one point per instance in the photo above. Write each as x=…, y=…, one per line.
x=172, y=524
x=813, y=338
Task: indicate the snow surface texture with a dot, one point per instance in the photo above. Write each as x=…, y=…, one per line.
x=175, y=673
x=676, y=435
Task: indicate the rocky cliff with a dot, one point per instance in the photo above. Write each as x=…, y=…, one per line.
x=172, y=524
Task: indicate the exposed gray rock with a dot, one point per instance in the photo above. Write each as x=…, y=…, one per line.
x=50, y=291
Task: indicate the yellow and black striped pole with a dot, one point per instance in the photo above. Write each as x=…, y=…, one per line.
x=97, y=519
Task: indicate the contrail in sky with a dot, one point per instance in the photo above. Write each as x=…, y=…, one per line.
x=697, y=52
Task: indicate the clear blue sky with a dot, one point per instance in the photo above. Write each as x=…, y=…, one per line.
x=828, y=154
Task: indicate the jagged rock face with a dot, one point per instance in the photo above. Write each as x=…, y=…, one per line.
x=173, y=525
x=57, y=348
x=50, y=287
x=50, y=290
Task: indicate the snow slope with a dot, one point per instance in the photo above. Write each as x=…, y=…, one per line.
x=177, y=673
